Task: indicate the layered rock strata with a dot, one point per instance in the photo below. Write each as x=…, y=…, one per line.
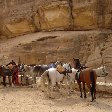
x=20, y=17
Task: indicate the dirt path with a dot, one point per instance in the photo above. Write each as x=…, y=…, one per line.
x=33, y=100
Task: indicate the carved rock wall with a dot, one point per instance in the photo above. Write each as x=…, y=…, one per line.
x=52, y=15
x=18, y=17
x=93, y=49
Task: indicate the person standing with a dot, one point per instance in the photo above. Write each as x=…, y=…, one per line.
x=15, y=72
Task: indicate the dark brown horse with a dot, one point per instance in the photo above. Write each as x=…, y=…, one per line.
x=5, y=72
x=88, y=76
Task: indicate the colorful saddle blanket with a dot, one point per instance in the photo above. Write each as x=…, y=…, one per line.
x=60, y=69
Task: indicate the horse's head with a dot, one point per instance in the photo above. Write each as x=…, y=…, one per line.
x=68, y=68
x=102, y=72
x=52, y=65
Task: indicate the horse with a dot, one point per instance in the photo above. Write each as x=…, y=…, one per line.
x=5, y=72
x=54, y=77
x=30, y=72
x=89, y=76
x=26, y=72
x=39, y=69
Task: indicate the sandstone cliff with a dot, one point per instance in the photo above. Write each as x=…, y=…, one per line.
x=93, y=47
x=20, y=17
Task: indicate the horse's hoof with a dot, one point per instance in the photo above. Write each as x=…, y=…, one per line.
x=85, y=97
x=81, y=96
x=51, y=97
x=92, y=100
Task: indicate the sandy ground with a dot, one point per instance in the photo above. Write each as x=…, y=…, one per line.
x=24, y=99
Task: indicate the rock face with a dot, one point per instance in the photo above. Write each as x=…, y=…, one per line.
x=19, y=17
x=93, y=48
x=25, y=16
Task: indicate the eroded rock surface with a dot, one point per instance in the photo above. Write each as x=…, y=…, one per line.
x=20, y=17
x=93, y=48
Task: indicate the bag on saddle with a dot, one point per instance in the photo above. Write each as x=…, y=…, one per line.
x=60, y=69
x=7, y=72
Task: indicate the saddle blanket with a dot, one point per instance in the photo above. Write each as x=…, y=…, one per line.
x=60, y=69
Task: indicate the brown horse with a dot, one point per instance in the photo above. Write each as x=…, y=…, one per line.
x=5, y=72
x=89, y=77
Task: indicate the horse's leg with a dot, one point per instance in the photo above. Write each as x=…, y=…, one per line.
x=57, y=86
x=13, y=80
x=9, y=78
x=95, y=92
x=22, y=78
x=42, y=84
x=79, y=83
x=44, y=89
x=92, y=89
x=50, y=87
x=4, y=80
x=38, y=74
x=84, y=90
x=34, y=78
x=45, y=78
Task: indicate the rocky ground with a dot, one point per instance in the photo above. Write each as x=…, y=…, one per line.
x=24, y=99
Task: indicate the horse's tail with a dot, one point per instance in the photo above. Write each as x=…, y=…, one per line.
x=92, y=78
x=43, y=78
x=45, y=74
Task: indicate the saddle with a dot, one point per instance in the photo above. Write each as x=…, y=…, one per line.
x=77, y=76
x=7, y=72
x=60, y=69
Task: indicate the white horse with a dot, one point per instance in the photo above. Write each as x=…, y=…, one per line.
x=101, y=71
x=54, y=77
